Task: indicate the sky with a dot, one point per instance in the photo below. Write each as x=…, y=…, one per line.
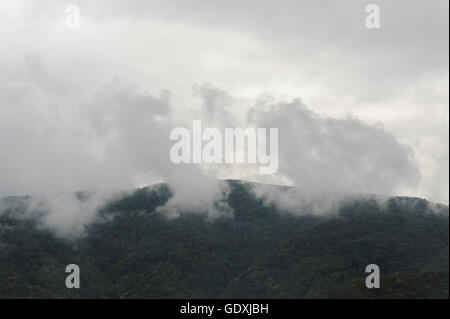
x=91, y=107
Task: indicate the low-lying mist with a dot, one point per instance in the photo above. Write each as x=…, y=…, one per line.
x=68, y=215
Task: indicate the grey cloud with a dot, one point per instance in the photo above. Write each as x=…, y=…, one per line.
x=114, y=140
x=119, y=137
x=194, y=192
x=324, y=153
x=61, y=132
x=65, y=213
x=302, y=201
x=325, y=39
x=122, y=134
x=216, y=106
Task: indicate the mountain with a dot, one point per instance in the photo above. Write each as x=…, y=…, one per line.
x=262, y=251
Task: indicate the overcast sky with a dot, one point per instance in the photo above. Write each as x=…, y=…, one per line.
x=92, y=107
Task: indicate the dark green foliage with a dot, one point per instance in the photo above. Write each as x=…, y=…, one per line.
x=259, y=253
x=432, y=284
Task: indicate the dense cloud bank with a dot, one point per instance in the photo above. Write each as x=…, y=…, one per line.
x=91, y=109
x=118, y=138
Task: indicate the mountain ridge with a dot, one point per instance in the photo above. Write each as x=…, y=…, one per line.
x=260, y=252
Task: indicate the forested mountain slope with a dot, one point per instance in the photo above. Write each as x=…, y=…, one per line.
x=261, y=251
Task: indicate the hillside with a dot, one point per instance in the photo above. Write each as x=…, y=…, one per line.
x=260, y=252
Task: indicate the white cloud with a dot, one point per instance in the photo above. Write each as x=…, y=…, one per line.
x=63, y=129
